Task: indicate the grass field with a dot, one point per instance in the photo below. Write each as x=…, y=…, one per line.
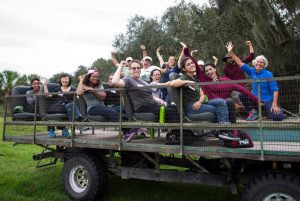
x=21, y=180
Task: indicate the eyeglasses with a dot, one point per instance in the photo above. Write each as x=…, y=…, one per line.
x=136, y=68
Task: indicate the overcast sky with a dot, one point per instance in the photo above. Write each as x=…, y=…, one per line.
x=51, y=36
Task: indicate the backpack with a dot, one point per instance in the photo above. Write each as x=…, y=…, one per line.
x=243, y=140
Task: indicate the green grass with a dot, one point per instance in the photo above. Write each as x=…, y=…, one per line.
x=21, y=180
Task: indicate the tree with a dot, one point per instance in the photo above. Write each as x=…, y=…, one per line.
x=81, y=70
x=148, y=32
x=26, y=79
x=105, y=67
x=9, y=80
x=272, y=29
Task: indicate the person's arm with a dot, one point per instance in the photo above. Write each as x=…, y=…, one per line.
x=114, y=59
x=45, y=87
x=80, y=86
x=200, y=74
x=158, y=100
x=273, y=86
x=117, y=81
x=250, y=57
x=215, y=60
x=30, y=97
x=143, y=48
x=181, y=54
x=101, y=95
x=192, y=52
x=161, y=61
x=197, y=105
x=164, y=84
x=245, y=91
x=237, y=60
x=275, y=107
x=179, y=82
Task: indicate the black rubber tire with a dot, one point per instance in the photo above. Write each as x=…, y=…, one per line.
x=281, y=184
x=93, y=171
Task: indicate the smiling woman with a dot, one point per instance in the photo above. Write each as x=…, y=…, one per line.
x=91, y=88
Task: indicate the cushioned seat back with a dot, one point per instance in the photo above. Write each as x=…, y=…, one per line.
x=127, y=105
x=48, y=104
x=44, y=104
x=130, y=114
x=20, y=100
x=83, y=110
x=175, y=96
x=26, y=111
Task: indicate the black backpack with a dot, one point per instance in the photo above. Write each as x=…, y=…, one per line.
x=173, y=137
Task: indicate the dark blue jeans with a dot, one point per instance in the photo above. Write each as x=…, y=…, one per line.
x=69, y=111
x=249, y=105
x=105, y=111
x=216, y=106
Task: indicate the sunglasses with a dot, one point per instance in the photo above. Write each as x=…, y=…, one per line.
x=136, y=68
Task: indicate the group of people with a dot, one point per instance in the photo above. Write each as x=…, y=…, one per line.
x=61, y=101
x=137, y=74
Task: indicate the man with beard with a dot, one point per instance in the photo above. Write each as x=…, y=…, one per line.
x=232, y=70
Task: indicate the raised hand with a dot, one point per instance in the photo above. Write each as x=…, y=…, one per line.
x=81, y=77
x=123, y=63
x=142, y=47
x=229, y=46
x=44, y=81
x=248, y=43
x=183, y=44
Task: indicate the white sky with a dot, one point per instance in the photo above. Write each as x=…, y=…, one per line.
x=51, y=36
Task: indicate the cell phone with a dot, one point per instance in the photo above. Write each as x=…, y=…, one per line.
x=161, y=46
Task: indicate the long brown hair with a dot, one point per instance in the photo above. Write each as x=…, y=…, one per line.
x=182, y=64
x=86, y=79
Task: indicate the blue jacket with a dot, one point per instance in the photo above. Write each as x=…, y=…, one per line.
x=267, y=88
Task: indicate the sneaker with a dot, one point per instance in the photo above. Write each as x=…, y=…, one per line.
x=140, y=136
x=81, y=128
x=228, y=135
x=130, y=136
x=65, y=132
x=253, y=115
x=51, y=133
x=79, y=119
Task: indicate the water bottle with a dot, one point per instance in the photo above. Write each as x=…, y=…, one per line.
x=152, y=133
x=162, y=114
x=205, y=99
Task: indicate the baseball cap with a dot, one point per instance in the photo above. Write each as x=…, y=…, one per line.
x=129, y=59
x=200, y=62
x=225, y=57
x=147, y=58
